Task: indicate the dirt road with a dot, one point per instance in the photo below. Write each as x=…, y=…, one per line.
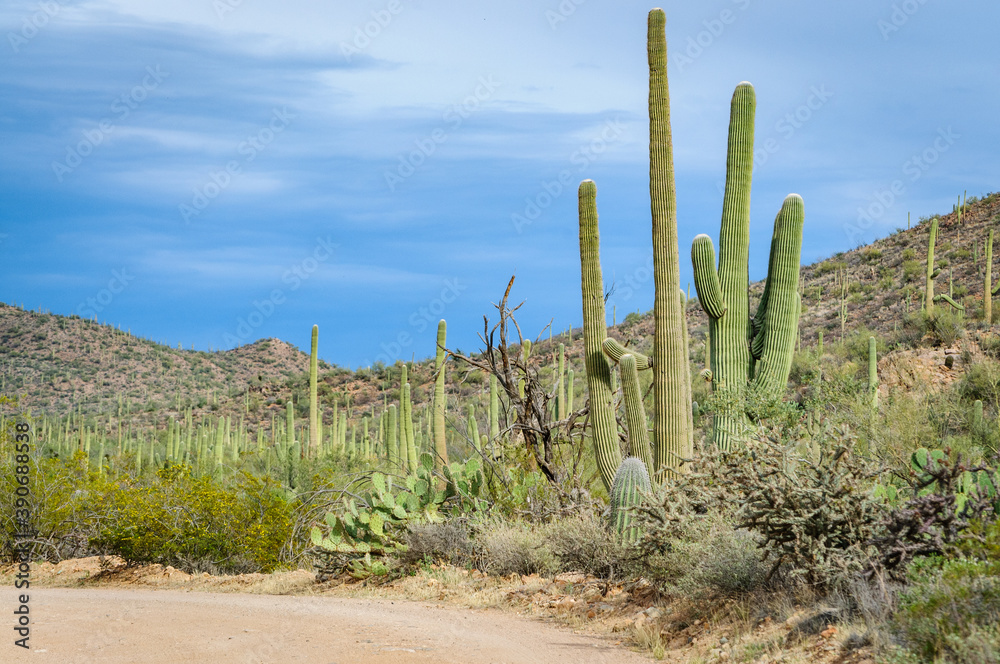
x=108, y=626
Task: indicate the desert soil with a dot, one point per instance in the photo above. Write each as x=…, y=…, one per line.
x=110, y=625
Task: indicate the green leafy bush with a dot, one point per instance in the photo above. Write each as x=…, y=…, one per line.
x=195, y=523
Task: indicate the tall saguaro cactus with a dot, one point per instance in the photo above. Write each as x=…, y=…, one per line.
x=602, y=414
x=313, y=398
x=671, y=375
x=989, y=290
x=391, y=444
x=754, y=352
x=407, y=436
x=873, y=373
x=440, y=443
x=932, y=273
x=561, y=411
x=494, y=412
x=672, y=423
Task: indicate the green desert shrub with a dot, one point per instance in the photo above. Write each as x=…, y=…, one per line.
x=195, y=523
x=912, y=269
x=62, y=499
x=943, y=329
x=951, y=610
x=982, y=381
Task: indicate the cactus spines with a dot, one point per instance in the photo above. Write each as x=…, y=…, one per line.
x=873, y=373
x=313, y=399
x=440, y=444
x=747, y=352
x=605, y=438
x=630, y=481
x=671, y=375
x=635, y=413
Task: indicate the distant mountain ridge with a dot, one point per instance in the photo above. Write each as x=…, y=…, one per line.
x=60, y=363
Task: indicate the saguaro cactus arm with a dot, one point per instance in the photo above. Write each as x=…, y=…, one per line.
x=706, y=278
x=944, y=297
x=615, y=351
x=775, y=340
x=635, y=412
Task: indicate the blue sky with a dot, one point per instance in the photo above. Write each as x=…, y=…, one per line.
x=212, y=172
